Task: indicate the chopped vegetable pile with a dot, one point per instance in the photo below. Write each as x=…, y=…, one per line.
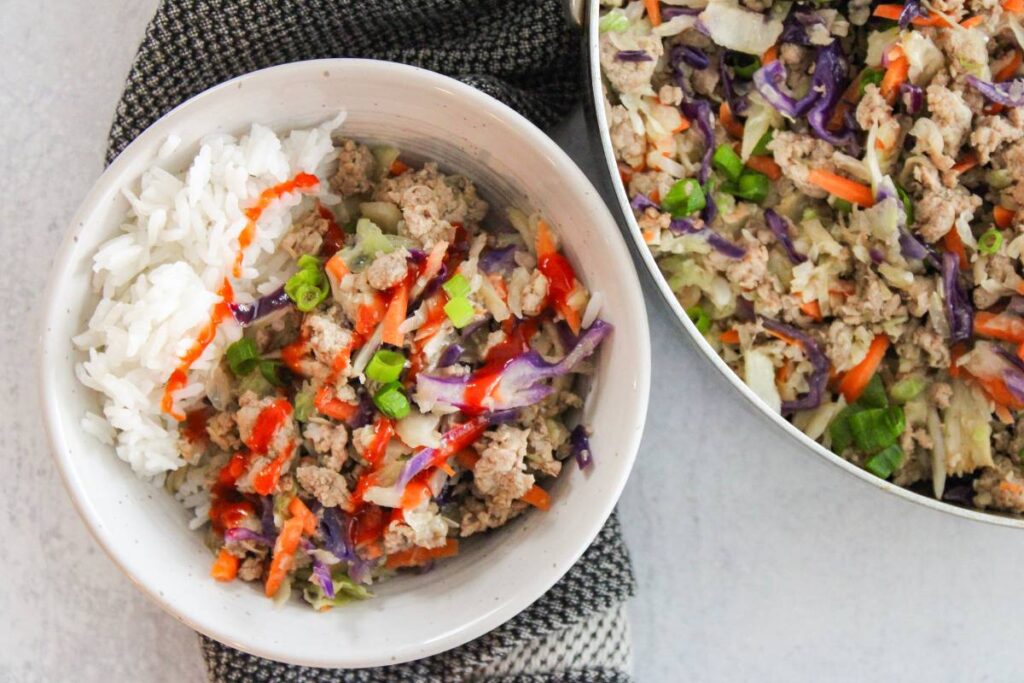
x=834, y=192
x=409, y=381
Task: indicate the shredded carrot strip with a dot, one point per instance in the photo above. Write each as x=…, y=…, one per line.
x=844, y=188
x=811, y=309
x=971, y=22
x=955, y=245
x=398, y=167
x=299, y=510
x=537, y=497
x=1003, y=216
x=1013, y=6
x=336, y=267
x=856, y=379
x=417, y=556
x=765, y=165
x=896, y=74
x=1004, y=415
x=999, y=326
x=394, y=316
x=225, y=567
x=770, y=55
x=730, y=337
x=731, y=125
x=653, y=11
x=966, y=163
x=284, y=555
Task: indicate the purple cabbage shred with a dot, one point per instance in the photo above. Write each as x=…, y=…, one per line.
x=959, y=312
x=780, y=228
x=819, y=364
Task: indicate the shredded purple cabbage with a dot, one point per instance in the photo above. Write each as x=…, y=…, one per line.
x=819, y=364
x=710, y=210
x=744, y=309
x=336, y=531
x=769, y=80
x=417, y=255
x=959, y=311
x=633, y=56
x=642, y=202
x=366, y=413
x=794, y=29
x=322, y=573
x=699, y=111
x=912, y=97
x=247, y=314
x=579, y=444
x=911, y=10
x=239, y=534
x=521, y=383
x=1008, y=93
x=673, y=12
x=738, y=103
x=693, y=57
x=829, y=76
x=780, y=228
x=499, y=260
x=450, y=356
x=684, y=226
x=267, y=525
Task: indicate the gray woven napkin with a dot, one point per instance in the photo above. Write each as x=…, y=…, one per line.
x=524, y=53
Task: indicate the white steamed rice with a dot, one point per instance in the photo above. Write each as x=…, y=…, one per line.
x=158, y=279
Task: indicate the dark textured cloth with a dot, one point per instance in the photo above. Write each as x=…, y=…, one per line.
x=596, y=586
x=523, y=52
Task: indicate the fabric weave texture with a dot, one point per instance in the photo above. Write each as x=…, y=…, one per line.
x=522, y=52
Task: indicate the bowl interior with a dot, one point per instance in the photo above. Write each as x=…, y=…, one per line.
x=143, y=528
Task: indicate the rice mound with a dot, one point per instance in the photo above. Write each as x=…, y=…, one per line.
x=158, y=278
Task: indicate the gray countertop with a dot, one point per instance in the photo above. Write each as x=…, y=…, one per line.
x=755, y=559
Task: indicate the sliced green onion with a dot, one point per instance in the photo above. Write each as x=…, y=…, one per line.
x=908, y=204
x=456, y=286
x=728, y=162
x=885, y=462
x=309, y=286
x=615, y=21
x=877, y=428
x=761, y=148
x=303, y=405
x=870, y=77
x=842, y=206
x=907, y=388
x=307, y=297
x=839, y=430
x=385, y=366
x=990, y=241
x=999, y=179
x=391, y=401
x=700, y=318
x=242, y=357
x=460, y=311
x=747, y=69
x=873, y=395
x=753, y=187
x=269, y=368
x=684, y=198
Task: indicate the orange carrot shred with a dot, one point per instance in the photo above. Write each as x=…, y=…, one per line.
x=298, y=509
x=971, y=22
x=844, y=188
x=1003, y=216
x=955, y=245
x=856, y=379
x=730, y=337
x=765, y=165
x=653, y=11
x=770, y=55
x=811, y=309
x=966, y=163
x=537, y=497
x=225, y=567
x=417, y=556
x=731, y=125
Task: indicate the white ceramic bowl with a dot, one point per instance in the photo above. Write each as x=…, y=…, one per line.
x=144, y=530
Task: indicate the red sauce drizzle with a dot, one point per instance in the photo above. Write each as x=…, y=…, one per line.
x=561, y=278
x=179, y=378
x=485, y=381
x=268, y=422
x=228, y=507
x=301, y=182
x=264, y=482
x=195, y=425
x=334, y=237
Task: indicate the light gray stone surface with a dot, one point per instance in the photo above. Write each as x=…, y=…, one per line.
x=756, y=561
